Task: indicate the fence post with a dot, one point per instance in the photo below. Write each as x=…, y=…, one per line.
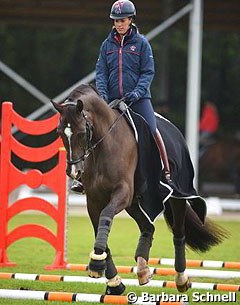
x=11, y=178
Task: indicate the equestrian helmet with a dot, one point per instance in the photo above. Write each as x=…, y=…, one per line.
x=122, y=9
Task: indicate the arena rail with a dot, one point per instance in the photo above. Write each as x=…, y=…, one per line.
x=11, y=178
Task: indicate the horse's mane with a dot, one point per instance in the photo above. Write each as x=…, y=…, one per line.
x=83, y=89
x=91, y=99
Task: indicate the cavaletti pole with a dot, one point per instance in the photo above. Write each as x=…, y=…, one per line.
x=220, y=274
x=196, y=263
x=75, y=297
x=129, y=282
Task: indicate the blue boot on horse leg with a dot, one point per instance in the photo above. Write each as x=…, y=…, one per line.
x=98, y=257
x=101, y=262
x=97, y=264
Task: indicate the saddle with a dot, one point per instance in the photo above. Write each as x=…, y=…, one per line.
x=120, y=105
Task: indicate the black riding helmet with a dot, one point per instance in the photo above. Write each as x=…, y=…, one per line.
x=122, y=9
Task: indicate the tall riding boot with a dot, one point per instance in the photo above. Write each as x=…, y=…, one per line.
x=77, y=186
x=163, y=154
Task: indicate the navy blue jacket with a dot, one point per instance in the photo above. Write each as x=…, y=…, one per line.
x=124, y=66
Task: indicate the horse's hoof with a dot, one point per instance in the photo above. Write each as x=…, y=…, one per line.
x=144, y=276
x=183, y=288
x=182, y=283
x=118, y=290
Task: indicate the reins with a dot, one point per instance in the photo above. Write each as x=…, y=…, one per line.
x=110, y=128
x=90, y=148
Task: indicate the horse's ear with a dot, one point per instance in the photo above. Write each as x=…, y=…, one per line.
x=79, y=106
x=57, y=106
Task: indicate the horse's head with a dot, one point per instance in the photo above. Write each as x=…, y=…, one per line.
x=75, y=130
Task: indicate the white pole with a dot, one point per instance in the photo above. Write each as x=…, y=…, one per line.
x=169, y=22
x=24, y=83
x=194, y=82
x=36, y=114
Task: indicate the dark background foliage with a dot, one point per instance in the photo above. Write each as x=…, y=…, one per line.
x=54, y=58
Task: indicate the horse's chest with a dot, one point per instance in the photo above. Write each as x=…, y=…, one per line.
x=95, y=181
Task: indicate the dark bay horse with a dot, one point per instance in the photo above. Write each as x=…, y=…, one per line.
x=102, y=149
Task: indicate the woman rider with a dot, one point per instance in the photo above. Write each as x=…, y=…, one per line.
x=125, y=68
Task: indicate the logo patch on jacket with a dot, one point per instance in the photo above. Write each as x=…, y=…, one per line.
x=133, y=48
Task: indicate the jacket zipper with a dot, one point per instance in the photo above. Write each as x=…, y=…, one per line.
x=120, y=68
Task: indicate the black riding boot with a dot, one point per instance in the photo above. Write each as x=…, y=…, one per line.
x=163, y=154
x=77, y=186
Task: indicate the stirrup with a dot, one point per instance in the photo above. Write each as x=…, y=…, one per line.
x=77, y=187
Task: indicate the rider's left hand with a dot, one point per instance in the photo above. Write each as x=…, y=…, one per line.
x=132, y=96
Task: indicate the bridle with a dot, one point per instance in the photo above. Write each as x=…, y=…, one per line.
x=89, y=134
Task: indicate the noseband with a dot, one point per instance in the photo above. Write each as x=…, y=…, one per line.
x=89, y=133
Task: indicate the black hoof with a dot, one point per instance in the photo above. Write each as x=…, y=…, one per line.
x=118, y=290
x=77, y=187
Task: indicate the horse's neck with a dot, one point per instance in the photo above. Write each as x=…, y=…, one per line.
x=103, y=118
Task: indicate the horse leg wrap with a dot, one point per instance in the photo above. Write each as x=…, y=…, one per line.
x=111, y=270
x=115, y=286
x=180, y=260
x=103, y=232
x=144, y=245
x=97, y=264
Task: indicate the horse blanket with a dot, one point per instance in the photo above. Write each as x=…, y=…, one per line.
x=151, y=186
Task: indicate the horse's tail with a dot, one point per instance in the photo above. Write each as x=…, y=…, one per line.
x=199, y=237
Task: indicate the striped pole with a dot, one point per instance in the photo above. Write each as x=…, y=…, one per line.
x=128, y=282
x=220, y=274
x=76, y=297
x=196, y=263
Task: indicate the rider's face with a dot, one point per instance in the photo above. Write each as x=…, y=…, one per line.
x=122, y=25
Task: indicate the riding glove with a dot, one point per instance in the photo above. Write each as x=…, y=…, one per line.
x=132, y=96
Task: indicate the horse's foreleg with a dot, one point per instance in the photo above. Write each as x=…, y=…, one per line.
x=179, y=212
x=119, y=200
x=98, y=260
x=144, y=244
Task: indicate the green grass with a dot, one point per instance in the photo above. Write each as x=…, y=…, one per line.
x=31, y=255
